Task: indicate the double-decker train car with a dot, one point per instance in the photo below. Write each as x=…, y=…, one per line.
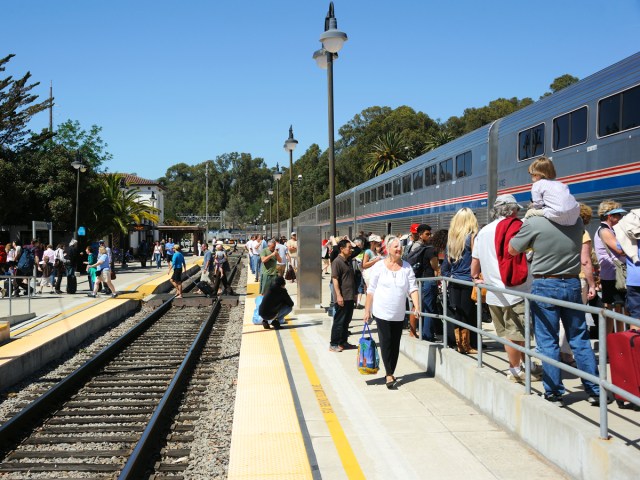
x=591, y=131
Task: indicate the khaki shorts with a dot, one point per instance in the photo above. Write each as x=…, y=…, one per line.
x=105, y=275
x=280, y=270
x=509, y=321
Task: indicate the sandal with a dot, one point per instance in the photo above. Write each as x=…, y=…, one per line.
x=392, y=384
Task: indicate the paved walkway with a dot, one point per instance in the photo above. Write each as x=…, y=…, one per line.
x=354, y=427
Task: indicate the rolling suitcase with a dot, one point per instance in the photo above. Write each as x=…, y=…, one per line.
x=72, y=284
x=205, y=288
x=624, y=360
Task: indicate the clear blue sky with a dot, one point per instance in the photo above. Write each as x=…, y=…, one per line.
x=174, y=82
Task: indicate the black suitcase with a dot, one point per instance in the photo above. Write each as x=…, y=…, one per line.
x=205, y=288
x=72, y=284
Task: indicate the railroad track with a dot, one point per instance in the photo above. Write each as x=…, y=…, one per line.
x=127, y=413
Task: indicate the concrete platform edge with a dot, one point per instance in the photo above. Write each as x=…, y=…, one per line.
x=20, y=367
x=575, y=446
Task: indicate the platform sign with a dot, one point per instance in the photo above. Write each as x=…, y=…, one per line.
x=81, y=232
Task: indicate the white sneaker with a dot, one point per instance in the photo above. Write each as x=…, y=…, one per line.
x=518, y=378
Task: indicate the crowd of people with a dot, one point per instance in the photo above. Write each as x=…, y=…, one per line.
x=549, y=253
x=47, y=267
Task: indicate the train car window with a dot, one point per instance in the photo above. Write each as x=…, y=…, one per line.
x=373, y=194
x=387, y=190
x=570, y=129
x=619, y=112
x=396, y=187
x=631, y=108
x=446, y=170
x=430, y=176
x=367, y=196
x=531, y=142
x=418, y=180
x=381, y=192
x=463, y=164
x=348, y=206
x=609, y=116
x=406, y=184
x=361, y=199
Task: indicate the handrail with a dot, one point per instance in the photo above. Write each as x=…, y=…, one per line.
x=602, y=313
x=11, y=278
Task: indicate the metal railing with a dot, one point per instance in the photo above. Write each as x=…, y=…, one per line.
x=602, y=313
x=31, y=288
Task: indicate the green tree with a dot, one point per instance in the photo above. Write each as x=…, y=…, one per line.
x=437, y=139
x=17, y=107
x=389, y=152
x=561, y=82
x=474, y=118
x=118, y=206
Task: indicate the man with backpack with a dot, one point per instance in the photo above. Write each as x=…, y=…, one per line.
x=26, y=263
x=424, y=261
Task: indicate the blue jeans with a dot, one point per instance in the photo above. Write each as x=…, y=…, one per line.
x=284, y=311
x=429, y=297
x=547, y=320
x=341, y=321
x=255, y=261
x=158, y=259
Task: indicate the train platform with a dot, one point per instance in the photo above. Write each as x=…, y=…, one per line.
x=46, y=326
x=305, y=412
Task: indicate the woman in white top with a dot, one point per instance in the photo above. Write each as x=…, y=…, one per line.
x=391, y=281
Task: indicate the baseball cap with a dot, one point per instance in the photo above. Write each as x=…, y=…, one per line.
x=101, y=241
x=506, y=199
x=375, y=238
x=293, y=233
x=414, y=227
x=616, y=210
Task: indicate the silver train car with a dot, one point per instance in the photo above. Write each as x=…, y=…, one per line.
x=591, y=131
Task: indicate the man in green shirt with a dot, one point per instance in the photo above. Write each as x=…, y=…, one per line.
x=269, y=258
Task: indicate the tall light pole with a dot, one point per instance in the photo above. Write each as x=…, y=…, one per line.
x=270, y=193
x=123, y=189
x=290, y=145
x=80, y=167
x=332, y=40
x=206, y=203
x=153, y=199
x=277, y=175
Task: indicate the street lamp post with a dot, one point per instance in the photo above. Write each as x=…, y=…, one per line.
x=277, y=175
x=290, y=145
x=80, y=167
x=270, y=192
x=332, y=40
x=123, y=189
x=153, y=199
x=206, y=204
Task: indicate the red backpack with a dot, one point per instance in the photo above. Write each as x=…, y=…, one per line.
x=513, y=269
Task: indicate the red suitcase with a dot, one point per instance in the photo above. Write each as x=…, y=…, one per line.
x=624, y=360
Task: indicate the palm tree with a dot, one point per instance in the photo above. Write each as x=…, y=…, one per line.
x=120, y=206
x=437, y=139
x=389, y=151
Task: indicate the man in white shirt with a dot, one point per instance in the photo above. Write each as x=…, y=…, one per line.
x=507, y=311
x=292, y=246
x=284, y=256
x=255, y=256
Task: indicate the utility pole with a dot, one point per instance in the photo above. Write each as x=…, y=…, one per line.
x=51, y=107
x=206, y=202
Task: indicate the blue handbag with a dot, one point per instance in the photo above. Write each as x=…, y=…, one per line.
x=368, y=359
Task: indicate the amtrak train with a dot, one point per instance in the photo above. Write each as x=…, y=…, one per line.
x=591, y=131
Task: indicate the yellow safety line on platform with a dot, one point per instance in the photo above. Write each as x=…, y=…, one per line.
x=347, y=457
